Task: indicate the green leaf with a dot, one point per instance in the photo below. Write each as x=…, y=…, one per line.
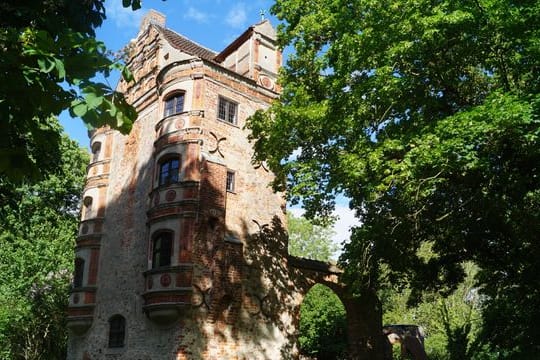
x=60, y=68
x=79, y=109
x=127, y=74
x=46, y=65
x=93, y=100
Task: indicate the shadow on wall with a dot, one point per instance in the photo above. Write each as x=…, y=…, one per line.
x=219, y=295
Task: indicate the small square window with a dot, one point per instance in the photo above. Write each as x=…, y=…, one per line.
x=230, y=181
x=227, y=110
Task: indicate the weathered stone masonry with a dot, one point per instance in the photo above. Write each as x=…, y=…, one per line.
x=182, y=248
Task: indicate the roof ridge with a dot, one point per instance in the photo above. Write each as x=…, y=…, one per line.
x=169, y=32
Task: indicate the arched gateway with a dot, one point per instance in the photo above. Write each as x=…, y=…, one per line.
x=183, y=254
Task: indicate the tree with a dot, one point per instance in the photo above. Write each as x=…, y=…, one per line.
x=451, y=324
x=39, y=225
x=309, y=240
x=426, y=115
x=323, y=320
x=48, y=62
x=322, y=329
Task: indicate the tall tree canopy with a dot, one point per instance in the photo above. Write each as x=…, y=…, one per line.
x=38, y=225
x=48, y=59
x=426, y=115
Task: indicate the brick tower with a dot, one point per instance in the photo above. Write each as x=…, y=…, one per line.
x=181, y=251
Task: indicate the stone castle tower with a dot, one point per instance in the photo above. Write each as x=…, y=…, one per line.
x=181, y=251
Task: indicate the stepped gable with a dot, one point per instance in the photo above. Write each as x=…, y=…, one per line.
x=184, y=44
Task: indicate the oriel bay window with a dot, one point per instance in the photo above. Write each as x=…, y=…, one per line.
x=174, y=104
x=169, y=170
x=162, y=249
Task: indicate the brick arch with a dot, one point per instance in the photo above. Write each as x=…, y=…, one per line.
x=362, y=313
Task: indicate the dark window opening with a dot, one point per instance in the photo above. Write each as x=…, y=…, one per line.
x=79, y=273
x=227, y=110
x=174, y=104
x=87, y=202
x=96, y=149
x=117, y=331
x=230, y=181
x=162, y=250
x=169, y=171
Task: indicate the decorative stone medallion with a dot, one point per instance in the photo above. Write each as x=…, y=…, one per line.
x=179, y=124
x=165, y=280
x=170, y=195
x=266, y=82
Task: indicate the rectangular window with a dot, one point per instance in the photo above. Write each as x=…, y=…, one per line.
x=161, y=254
x=227, y=111
x=117, y=331
x=169, y=171
x=174, y=104
x=230, y=181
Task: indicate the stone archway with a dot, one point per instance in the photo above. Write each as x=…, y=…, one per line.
x=364, y=320
x=322, y=324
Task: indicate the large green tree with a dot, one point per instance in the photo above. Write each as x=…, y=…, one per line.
x=49, y=58
x=426, y=115
x=38, y=225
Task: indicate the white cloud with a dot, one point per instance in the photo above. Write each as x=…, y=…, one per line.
x=196, y=15
x=342, y=226
x=123, y=17
x=236, y=17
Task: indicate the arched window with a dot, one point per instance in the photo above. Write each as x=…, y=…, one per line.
x=162, y=249
x=117, y=331
x=79, y=273
x=174, y=104
x=87, y=203
x=96, y=149
x=169, y=170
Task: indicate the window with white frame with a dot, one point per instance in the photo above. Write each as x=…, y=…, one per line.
x=227, y=110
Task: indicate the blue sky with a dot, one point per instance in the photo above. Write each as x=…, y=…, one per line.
x=211, y=23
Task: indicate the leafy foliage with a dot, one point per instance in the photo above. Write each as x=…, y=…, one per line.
x=309, y=240
x=426, y=115
x=49, y=59
x=451, y=324
x=39, y=225
x=323, y=324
